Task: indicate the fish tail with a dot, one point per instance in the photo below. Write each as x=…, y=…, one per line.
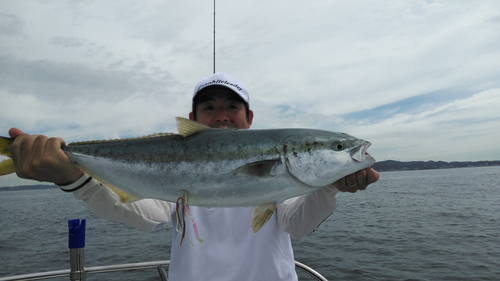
x=7, y=165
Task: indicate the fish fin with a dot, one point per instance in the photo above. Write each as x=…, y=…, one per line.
x=264, y=169
x=7, y=165
x=156, y=135
x=188, y=127
x=261, y=214
x=124, y=196
x=5, y=146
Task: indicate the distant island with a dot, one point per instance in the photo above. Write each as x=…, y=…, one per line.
x=392, y=165
x=382, y=166
x=28, y=187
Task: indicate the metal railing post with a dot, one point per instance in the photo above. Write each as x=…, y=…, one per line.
x=76, y=249
x=163, y=273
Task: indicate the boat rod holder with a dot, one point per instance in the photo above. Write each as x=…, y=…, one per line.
x=76, y=249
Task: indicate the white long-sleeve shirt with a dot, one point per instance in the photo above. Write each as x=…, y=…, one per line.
x=231, y=251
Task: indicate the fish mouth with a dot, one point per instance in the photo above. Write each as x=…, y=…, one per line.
x=358, y=153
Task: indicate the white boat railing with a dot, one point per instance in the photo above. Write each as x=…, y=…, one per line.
x=78, y=271
x=161, y=266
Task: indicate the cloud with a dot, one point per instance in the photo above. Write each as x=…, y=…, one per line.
x=458, y=130
x=93, y=119
x=11, y=25
x=343, y=53
x=67, y=42
x=76, y=81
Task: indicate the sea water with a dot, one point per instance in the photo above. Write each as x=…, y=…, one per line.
x=410, y=225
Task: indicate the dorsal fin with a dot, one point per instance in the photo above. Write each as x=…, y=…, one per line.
x=188, y=127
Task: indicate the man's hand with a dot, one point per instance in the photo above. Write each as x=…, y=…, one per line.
x=357, y=181
x=41, y=158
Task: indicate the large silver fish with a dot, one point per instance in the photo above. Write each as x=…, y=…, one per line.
x=221, y=167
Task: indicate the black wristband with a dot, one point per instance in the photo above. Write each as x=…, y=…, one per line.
x=78, y=187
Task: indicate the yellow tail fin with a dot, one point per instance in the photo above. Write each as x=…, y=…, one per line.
x=6, y=166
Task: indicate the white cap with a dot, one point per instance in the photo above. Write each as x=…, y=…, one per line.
x=223, y=79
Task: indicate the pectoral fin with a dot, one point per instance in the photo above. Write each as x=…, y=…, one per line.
x=261, y=214
x=261, y=169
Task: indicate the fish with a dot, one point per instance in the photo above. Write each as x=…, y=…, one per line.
x=218, y=167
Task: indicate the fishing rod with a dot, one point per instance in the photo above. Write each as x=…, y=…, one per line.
x=214, y=36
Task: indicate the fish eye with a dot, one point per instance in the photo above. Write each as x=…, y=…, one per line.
x=337, y=146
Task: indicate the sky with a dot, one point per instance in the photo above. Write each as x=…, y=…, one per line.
x=419, y=79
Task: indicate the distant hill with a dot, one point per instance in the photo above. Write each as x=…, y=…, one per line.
x=27, y=187
x=391, y=165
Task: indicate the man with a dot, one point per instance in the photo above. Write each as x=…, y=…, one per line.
x=231, y=250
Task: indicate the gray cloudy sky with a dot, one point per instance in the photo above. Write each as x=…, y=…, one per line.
x=419, y=79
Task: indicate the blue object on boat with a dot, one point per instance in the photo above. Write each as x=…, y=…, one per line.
x=76, y=233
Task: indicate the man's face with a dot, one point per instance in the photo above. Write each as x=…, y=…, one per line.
x=218, y=108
